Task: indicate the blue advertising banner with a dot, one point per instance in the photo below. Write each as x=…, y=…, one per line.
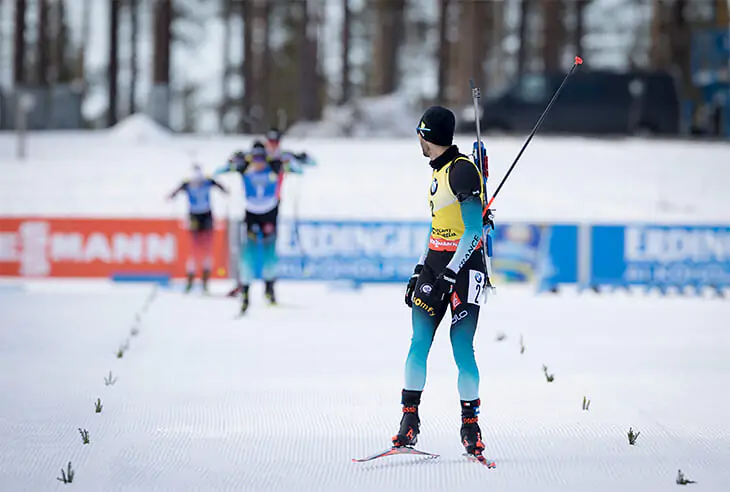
x=558, y=260
x=516, y=252
x=387, y=251
x=660, y=256
x=351, y=250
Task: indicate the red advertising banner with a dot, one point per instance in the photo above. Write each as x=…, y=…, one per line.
x=74, y=247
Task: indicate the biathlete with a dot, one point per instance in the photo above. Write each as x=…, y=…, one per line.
x=200, y=224
x=272, y=143
x=262, y=176
x=450, y=274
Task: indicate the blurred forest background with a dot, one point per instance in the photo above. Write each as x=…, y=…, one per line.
x=241, y=66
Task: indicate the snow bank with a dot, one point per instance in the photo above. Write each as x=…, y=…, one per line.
x=139, y=128
x=557, y=180
x=385, y=117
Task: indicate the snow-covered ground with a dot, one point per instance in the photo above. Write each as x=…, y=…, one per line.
x=284, y=399
x=117, y=173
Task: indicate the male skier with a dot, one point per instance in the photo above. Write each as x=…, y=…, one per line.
x=262, y=179
x=451, y=272
x=201, y=224
x=273, y=149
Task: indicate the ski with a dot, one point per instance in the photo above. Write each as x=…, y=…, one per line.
x=480, y=459
x=393, y=451
x=284, y=305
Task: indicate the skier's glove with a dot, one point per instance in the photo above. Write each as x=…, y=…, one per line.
x=412, y=285
x=444, y=285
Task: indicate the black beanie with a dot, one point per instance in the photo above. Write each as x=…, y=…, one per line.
x=437, y=126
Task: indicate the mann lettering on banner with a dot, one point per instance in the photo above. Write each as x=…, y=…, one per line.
x=134, y=248
x=40, y=247
x=34, y=240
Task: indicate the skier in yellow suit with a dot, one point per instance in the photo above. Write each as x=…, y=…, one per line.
x=451, y=273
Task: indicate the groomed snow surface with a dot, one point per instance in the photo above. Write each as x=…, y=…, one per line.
x=283, y=399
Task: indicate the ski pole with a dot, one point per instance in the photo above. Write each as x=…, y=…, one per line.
x=475, y=95
x=578, y=61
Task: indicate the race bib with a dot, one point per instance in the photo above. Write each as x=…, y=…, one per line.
x=477, y=281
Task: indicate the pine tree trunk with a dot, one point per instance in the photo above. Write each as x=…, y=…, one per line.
x=525, y=8
x=657, y=51
x=59, y=70
x=722, y=13
x=496, y=76
x=19, y=75
x=680, y=42
x=225, y=96
x=57, y=42
x=307, y=67
x=160, y=96
x=113, y=67
x=579, y=26
x=261, y=41
x=266, y=68
x=247, y=67
x=345, y=73
x=319, y=79
x=85, y=37
x=134, y=42
x=474, y=44
x=443, y=50
x=163, y=40
x=42, y=43
x=553, y=39
x=390, y=20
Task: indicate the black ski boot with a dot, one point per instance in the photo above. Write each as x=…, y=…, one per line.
x=471, y=434
x=244, y=298
x=204, y=278
x=410, y=424
x=269, y=292
x=189, y=284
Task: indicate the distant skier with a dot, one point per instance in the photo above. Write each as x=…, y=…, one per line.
x=273, y=149
x=200, y=225
x=292, y=162
x=262, y=179
x=451, y=272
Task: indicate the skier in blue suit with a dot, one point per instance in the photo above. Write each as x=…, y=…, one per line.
x=263, y=175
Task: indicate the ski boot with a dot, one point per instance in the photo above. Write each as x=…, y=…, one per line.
x=244, y=298
x=410, y=424
x=205, y=277
x=189, y=284
x=471, y=434
x=269, y=292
